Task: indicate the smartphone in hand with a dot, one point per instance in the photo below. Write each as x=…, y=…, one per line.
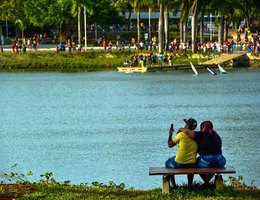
x=171, y=126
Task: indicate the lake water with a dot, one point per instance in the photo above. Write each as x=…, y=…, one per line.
x=110, y=126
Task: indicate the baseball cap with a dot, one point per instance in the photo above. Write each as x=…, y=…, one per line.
x=192, y=123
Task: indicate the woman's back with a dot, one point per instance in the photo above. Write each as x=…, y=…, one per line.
x=208, y=144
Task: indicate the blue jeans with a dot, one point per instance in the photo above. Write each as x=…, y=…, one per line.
x=171, y=163
x=211, y=161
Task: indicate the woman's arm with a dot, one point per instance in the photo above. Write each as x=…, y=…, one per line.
x=188, y=132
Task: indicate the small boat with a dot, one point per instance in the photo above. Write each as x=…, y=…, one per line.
x=211, y=71
x=193, y=68
x=128, y=68
x=222, y=71
x=132, y=69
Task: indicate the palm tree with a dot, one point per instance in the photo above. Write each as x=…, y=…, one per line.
x=77, y=6
x=124, y=6
x=194, y=24
x=161, y=30
x=221, y=11
x=203, y=6
x=136, y=4
x=169, y=5
x=152, y=6
x=185, y=8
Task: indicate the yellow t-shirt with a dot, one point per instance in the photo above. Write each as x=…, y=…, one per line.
x=187, y=149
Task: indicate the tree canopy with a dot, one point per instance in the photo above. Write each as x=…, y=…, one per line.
x=66, y=13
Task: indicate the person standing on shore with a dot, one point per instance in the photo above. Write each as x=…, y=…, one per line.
x=105, y=45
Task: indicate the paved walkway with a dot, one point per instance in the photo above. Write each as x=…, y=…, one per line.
x=46, y=47
x=223, y=58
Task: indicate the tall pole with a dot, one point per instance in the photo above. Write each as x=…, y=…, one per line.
x=85, y=27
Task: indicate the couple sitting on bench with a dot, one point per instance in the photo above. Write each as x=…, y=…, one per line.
x=205, y=142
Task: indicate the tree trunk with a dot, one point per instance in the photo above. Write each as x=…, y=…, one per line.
x=194, y=31
x=166, y=27
x=130, y=15
x=248, y=21
x=150, y=10
x=226, y=31
x=221, y=30
x=181, y=32
x=202, y=24
x=79, y=36
x=184, y=31
x=1, y=33
x=201, y=32
x=124, y=14
x=160, y=31
x=138, y=26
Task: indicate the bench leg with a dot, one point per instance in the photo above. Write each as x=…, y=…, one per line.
x=165, y=184
x=219, y=182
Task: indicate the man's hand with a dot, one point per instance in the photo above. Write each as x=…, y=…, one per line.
x=170, y=141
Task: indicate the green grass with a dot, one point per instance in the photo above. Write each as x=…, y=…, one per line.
x=57, y=191
x=92, y=60
x=49, y=189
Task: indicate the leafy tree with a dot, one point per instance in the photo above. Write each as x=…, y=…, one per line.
x=48, y=12
x=124, y=6
x=249, y=8
x=13, y=11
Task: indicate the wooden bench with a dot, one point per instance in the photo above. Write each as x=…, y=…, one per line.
x=165, y=172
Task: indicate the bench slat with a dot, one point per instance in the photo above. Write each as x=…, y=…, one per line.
x=173, y=171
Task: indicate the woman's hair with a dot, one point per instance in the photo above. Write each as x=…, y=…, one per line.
x=208, y=127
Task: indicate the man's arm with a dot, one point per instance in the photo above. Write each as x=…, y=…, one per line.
x=188, y=132
x=170, y=140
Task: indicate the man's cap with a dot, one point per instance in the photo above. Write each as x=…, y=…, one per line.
x=191, y=122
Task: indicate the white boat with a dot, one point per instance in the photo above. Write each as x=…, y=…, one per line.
x=193, y=68
x=222, y=71
x=211, y=71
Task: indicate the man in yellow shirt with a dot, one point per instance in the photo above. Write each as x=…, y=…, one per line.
x=187, y=150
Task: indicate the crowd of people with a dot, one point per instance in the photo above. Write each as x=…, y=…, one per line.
x=242, y=41
x=149, y=59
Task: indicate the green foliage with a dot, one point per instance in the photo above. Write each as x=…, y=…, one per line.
x=18, y=178
x=239, y=183
x=62, y=61
x=49, y=188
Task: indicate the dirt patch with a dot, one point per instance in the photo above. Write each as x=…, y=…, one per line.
x=14, y=191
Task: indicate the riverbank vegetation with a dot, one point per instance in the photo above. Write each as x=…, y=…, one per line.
x=92, y=60
x=49, y=188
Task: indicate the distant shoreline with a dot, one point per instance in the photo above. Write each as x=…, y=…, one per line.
x=100, y=60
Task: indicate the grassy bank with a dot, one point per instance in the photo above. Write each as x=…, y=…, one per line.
x=62, y=61
x=57, y=191
x=48, y=188
x=92, y=60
